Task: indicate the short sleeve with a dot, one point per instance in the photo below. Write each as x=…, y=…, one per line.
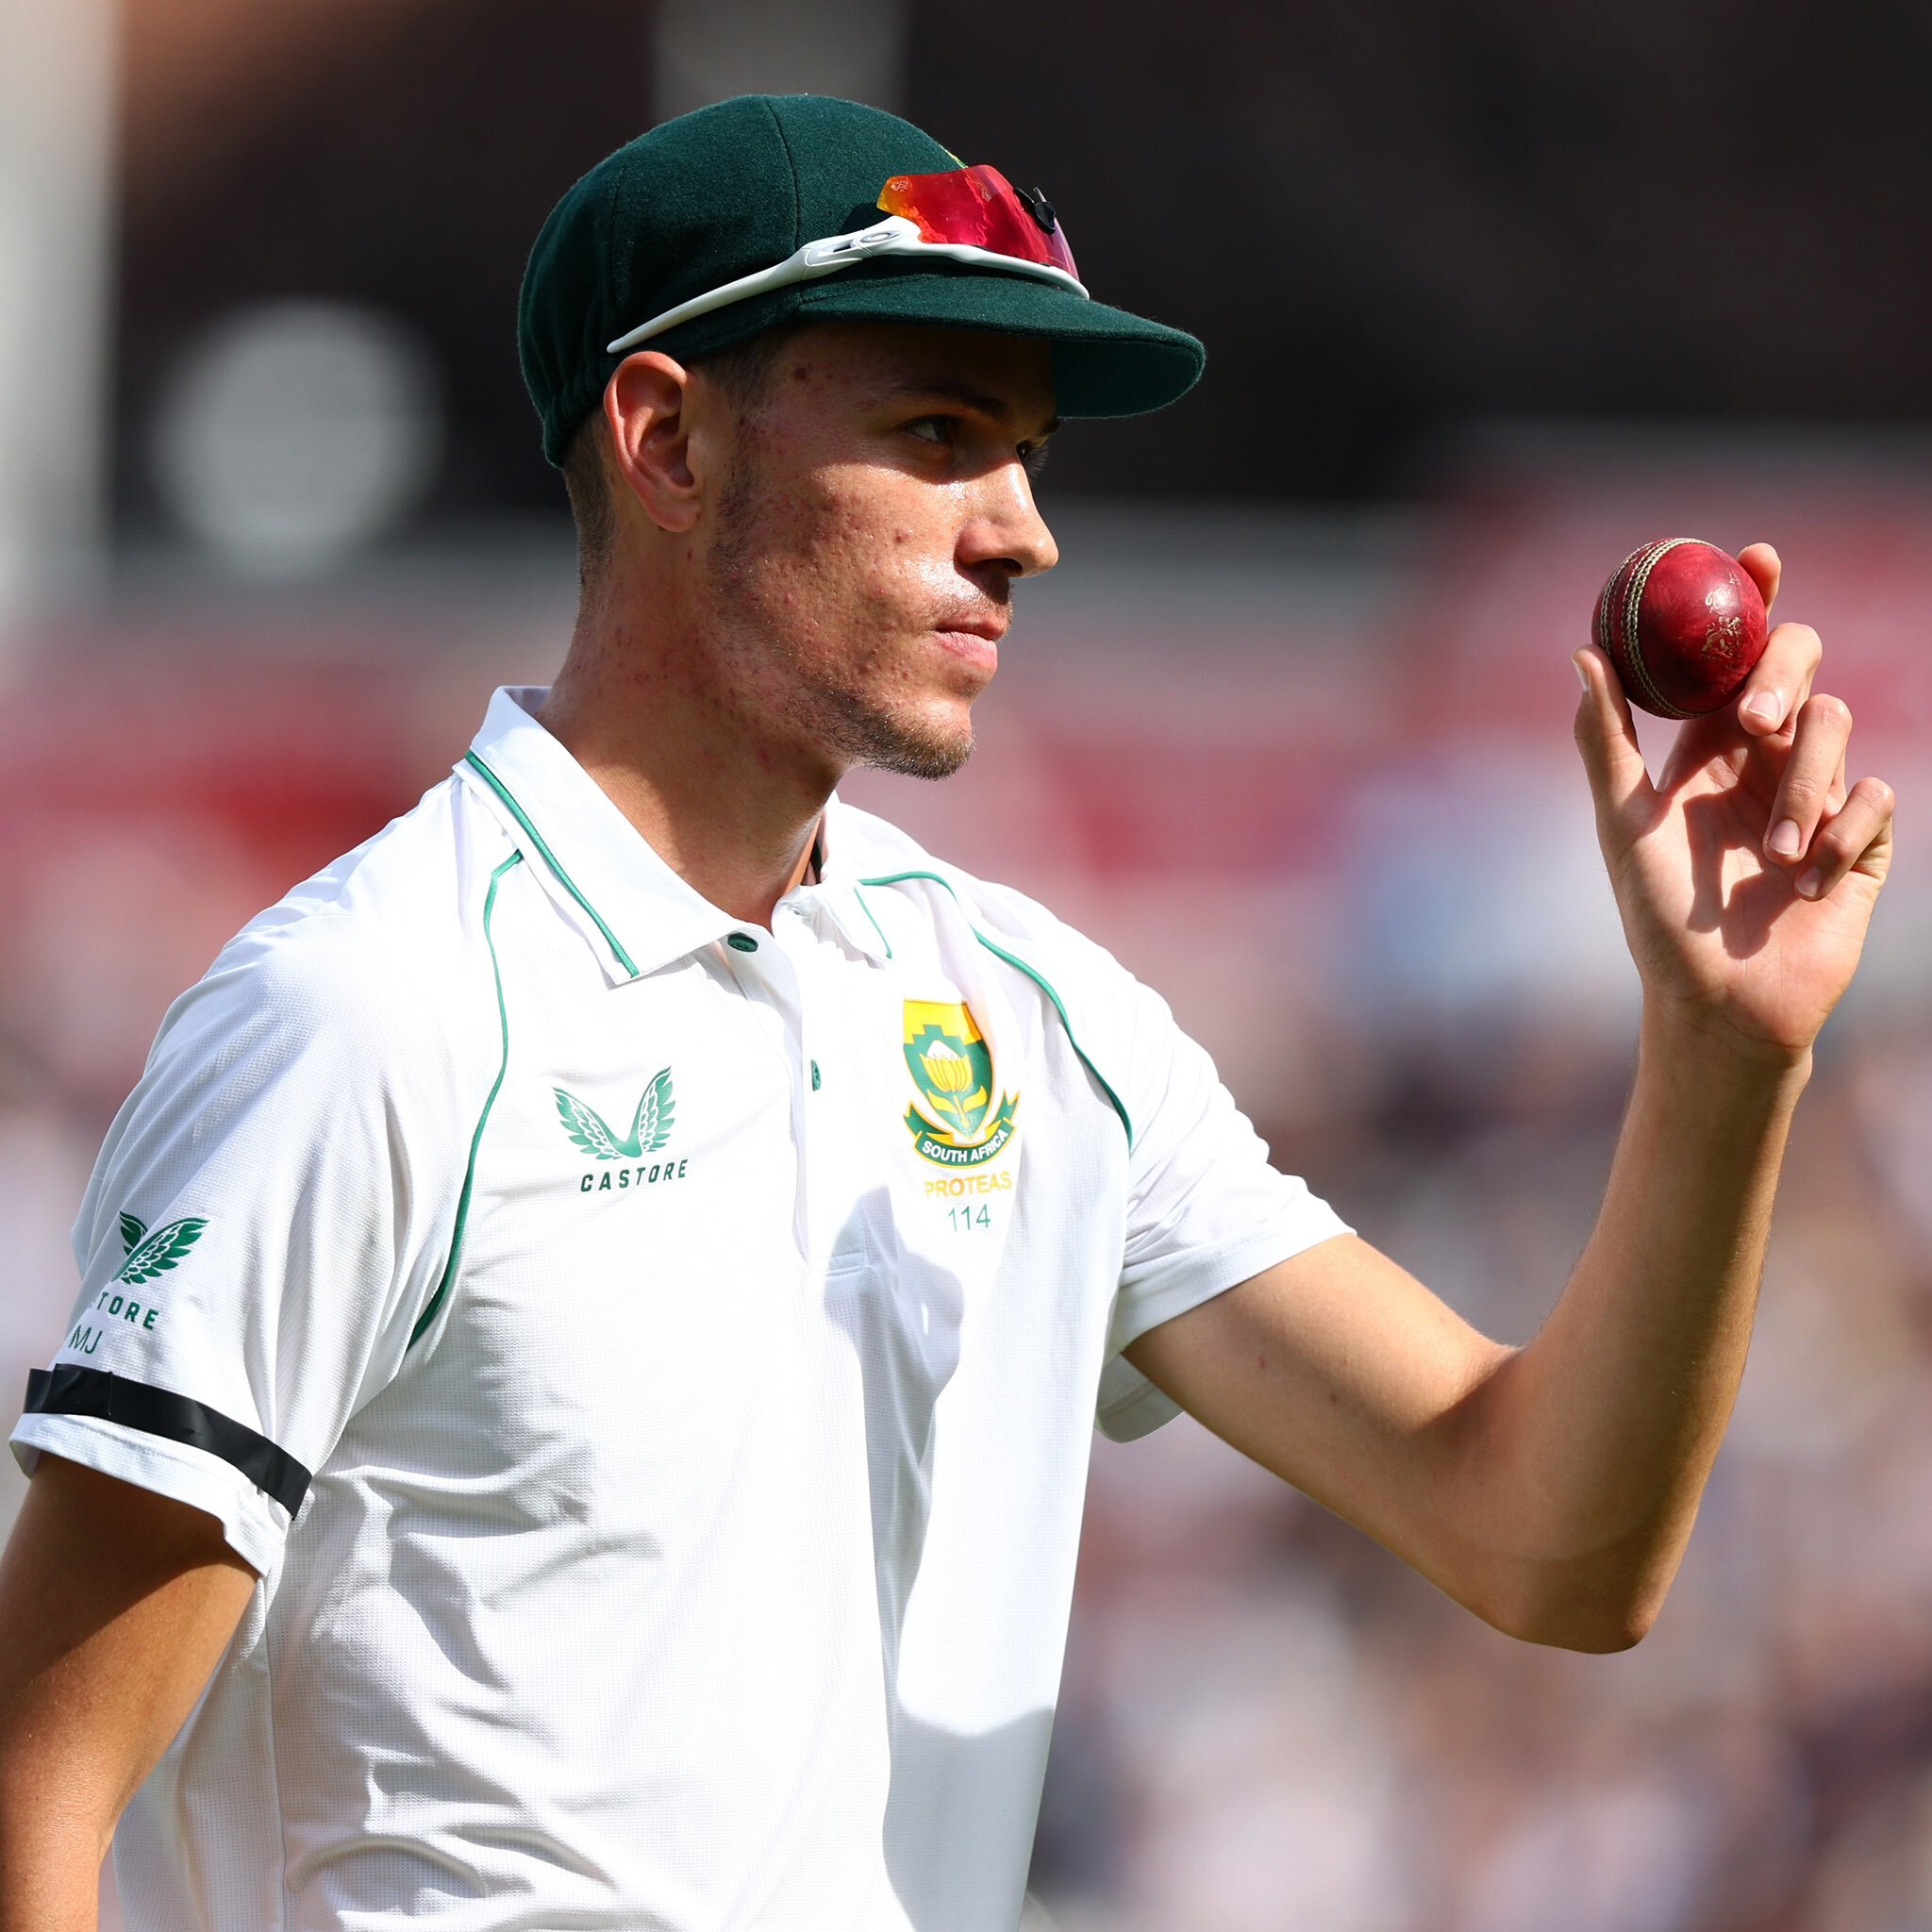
x=1205, y=1208
x=270, y=1210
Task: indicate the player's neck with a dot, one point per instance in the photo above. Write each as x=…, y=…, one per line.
x=733, y=820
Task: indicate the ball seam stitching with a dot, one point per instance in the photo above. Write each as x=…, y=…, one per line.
x=1633, y=601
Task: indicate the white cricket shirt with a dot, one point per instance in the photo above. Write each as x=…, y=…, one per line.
x=651, y=1362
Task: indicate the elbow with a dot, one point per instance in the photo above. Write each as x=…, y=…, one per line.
x=1597, y=1635
x=1594, y=1615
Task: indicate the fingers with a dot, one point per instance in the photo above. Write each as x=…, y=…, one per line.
x=1821, y=732
x=1605, y=736
x=1764, y=567
x=1781, y=680
x=1857, y=839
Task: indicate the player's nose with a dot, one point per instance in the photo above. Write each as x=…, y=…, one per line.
x=1007, y=529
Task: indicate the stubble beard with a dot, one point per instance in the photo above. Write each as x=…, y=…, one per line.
x=846, y=723
x=867, y=737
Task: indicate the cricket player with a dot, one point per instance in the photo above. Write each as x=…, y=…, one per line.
x=592, y=1322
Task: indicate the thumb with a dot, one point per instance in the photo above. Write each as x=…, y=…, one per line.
x=1606, y=737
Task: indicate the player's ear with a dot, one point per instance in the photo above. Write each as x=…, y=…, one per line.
x=647, y=410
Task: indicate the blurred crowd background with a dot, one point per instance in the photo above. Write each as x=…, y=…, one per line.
x=1493, y=292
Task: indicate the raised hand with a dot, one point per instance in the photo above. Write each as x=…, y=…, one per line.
x=1746, y=873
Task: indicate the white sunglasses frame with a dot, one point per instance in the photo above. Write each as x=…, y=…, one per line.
x=895, y=235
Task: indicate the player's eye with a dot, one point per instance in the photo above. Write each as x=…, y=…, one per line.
x=1033, y=456
x=932, y=428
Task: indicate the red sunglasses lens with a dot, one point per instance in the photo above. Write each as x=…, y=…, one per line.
x=981, y=207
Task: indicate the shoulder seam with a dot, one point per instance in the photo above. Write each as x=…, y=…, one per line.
x=276, y=942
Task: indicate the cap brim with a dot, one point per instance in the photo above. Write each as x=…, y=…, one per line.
x=1105, y=362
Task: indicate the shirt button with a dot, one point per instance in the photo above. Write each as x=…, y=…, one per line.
x=814, y=1076
x=741, y=941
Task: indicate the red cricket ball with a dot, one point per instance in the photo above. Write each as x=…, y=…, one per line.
x=1683, y=624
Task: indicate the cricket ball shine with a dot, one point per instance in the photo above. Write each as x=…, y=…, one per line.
x=1683, y=623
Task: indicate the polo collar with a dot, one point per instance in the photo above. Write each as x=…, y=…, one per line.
x=841, y=864
x=602, y=872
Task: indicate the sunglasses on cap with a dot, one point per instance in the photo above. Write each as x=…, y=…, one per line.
x=973, y=215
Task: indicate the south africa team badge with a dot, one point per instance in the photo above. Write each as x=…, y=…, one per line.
x=955, y=1122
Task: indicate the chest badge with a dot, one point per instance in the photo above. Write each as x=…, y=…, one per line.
x=953, y=1123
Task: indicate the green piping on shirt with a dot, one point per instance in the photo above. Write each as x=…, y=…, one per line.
x=875, y=925
x=456, y=1244
x=549, y=858
x=1039, y=979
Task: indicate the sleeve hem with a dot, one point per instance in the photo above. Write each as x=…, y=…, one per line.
x=253, y=1525
x=1137, y=1409
x=1187, y=1280
x=1131, y=1405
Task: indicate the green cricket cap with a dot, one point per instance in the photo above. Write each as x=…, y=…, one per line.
x=736, y=187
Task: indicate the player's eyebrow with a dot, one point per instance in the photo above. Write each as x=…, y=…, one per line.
x=982, y=402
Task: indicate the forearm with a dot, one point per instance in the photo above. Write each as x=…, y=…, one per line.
x=1594, y=1441
x=50, y=1859
x=115, y=1605
x=59, y=1797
